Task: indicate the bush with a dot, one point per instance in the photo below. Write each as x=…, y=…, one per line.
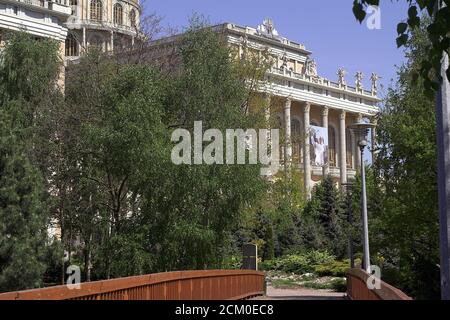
x=334, y=268
x=299, y=263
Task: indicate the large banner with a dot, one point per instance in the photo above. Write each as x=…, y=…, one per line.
x=319, y=145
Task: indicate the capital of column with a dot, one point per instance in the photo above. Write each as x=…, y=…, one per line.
x=307, y=107
x=325, y=111
x=342, y=115
x=287, y=103
x=359, y=117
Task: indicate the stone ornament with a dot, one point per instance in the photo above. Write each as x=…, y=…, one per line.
x=358, y=80
x=374, y=78
x=341, y=76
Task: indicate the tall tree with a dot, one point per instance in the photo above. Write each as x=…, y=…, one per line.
x=407, y=225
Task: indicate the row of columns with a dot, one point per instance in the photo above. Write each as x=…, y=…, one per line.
x=306, y=131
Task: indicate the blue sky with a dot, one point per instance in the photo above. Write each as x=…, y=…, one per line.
x=325, y=27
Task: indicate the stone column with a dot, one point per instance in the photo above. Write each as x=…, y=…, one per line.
x=84, y=39
x=306, y=150
x=267, y=110
x=373, y=138
x=342, y=149
x=326, y=168
x=287, y=132
x=112, y=41
x=356, y=147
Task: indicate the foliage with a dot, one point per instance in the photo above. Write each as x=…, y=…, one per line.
x=323, y=223
x=299, y=263
x=407, y=226
x=437, y=30
x=23, y=200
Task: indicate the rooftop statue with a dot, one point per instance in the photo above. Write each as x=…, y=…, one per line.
x=341, y=76
x=311, y=67
x=358, y=80
x=374, y=77
x=267, y=28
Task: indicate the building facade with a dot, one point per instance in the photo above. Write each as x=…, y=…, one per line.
x=106, y=24
x=41, y=18
x=309, y=100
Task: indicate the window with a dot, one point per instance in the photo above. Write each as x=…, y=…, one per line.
x=331, y=147
x=71, y=46
x=118, y=14
x=296, y=141
x=133, y=18
x=96, y=10
x=349, y=148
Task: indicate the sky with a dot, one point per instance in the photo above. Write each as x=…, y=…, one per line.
x=326, y=27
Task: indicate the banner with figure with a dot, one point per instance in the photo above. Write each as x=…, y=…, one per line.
x=319, y=146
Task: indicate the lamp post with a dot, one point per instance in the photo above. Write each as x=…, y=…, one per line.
x=361, y=130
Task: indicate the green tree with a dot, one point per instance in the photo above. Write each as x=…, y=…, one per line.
x=407, y=226
x=28, y=75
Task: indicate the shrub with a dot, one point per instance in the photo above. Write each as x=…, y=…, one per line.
x=333, y=268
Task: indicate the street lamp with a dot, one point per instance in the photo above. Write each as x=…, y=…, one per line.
x=361, y=130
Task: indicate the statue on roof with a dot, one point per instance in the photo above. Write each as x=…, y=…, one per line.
x=374, y=77
x=341, y=76
x=358, y=80
x=267, y=28
x=311, y=67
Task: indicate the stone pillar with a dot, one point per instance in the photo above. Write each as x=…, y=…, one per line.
x=342, y=149
x=306, y=150
x=267, y=110
x=373, y=138
x=112, y=42
x=287, y=132
x=84, y=39
x=356, y=147
x=326, y=167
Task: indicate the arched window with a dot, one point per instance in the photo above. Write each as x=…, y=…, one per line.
x=71, y=46
x=118, y=14
x=133, y=18
x=296, y=141
x=349, y=148
x=96, y=10
x=331, y=146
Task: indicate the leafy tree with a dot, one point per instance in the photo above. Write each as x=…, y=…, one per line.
x=28, y=75
x=407, y=226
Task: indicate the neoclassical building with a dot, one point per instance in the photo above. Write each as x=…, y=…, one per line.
x=41, y=18
x=309, y=99
x=106, y=24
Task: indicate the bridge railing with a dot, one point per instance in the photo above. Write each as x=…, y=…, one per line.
x=357, y=288
x=180, y=285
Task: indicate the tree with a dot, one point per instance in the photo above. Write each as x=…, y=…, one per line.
x=324, y=222
x=437, y=30
x=28, y=75
x=407, y=225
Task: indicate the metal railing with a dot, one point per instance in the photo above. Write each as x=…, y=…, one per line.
x=357, y=288
x=180, y=285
